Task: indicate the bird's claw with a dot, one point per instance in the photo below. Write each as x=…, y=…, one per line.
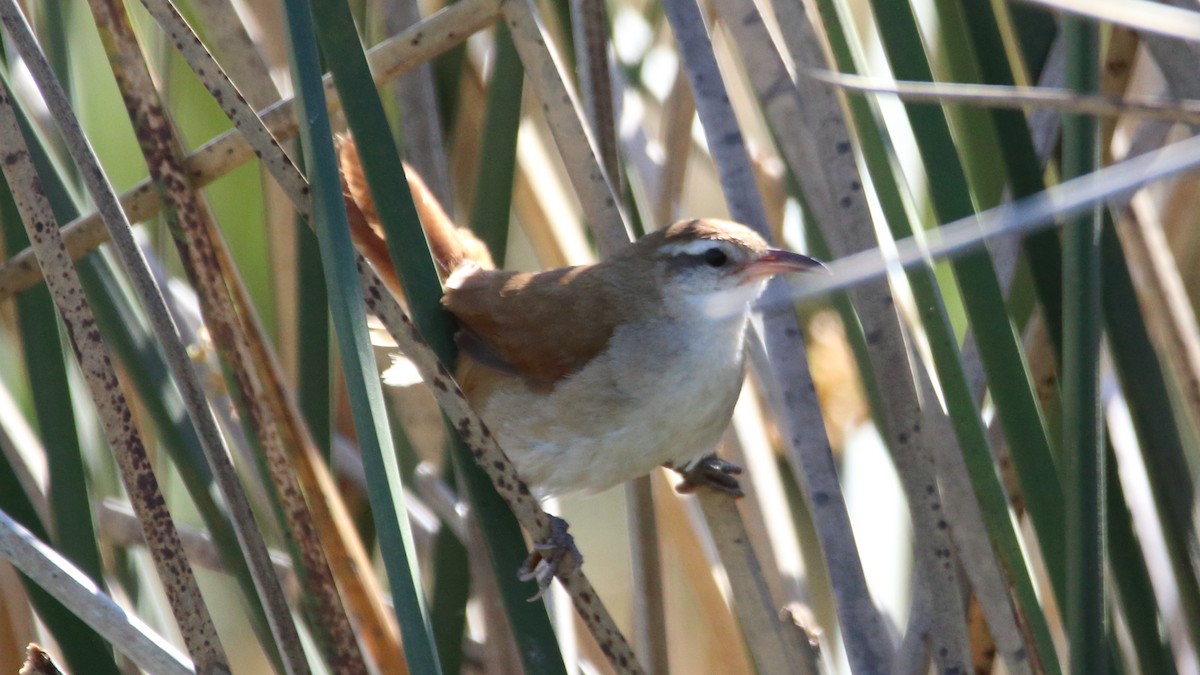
x=557, y=556
x=712, y=472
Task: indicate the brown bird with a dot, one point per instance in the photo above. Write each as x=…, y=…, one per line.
x=592, y=375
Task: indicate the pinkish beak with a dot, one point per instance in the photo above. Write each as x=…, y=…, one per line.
x=776, y=261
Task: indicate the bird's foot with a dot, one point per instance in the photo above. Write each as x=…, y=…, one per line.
x=712, y=472
x=557, y=556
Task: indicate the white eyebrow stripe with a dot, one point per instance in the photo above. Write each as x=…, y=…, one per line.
x=693, y=247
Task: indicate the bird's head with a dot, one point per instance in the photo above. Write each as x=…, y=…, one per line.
x=715, y=266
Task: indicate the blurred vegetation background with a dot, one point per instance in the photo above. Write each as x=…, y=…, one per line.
x=992, y=470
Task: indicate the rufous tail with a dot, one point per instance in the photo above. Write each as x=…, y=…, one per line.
x=450, y=245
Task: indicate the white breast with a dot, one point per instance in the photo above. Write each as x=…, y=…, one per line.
x=598, y=428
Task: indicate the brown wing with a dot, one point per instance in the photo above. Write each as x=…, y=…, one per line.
x=542, y=326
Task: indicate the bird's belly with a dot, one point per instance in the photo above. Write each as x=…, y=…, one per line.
x=595, y=430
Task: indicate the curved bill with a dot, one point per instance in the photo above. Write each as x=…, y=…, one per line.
x=778, y=261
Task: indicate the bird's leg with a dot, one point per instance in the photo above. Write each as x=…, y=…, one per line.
x=712, y=472
x=557, y=556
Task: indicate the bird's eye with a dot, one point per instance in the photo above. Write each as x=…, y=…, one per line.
x=715, y=257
